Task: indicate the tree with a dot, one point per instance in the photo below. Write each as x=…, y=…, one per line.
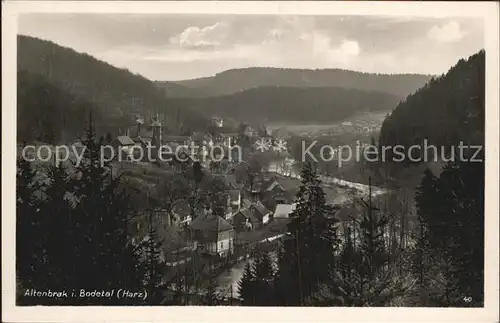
x=264, y=276
x=366, y=276
x=30, y=258
x=171, y=193
x=449, y=256
x=214, y=195
x=309, y=250
x=104, y=255
x=109, y=138
x=57, y=210
x=155, y=268
x=246, y=286
x=426, y=199
x=197, y=176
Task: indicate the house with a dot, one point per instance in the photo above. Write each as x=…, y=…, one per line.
x=279, y=190
x=125, y=147
x=212, y=234
x=251, y=216
x=244, y=220
x=245, y=203
x=261, y=213
x=140, y=133
x=283, y=211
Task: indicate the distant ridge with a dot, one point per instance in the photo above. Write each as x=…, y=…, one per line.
x=236, y=80
x=292, y=104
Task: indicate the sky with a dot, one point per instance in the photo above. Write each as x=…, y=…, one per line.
x=176, y=47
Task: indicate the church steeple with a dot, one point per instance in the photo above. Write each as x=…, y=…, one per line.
x=156, y=126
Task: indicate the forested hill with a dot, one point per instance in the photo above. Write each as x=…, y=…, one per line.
x=318, y=105
x=49, y=114
x=447, y=110
x=117, y=92
x=236, y=80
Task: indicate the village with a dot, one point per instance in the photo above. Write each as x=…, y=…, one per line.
x=260, y=196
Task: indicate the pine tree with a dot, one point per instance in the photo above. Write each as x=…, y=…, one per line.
x=368, y=278
x=309, y=250
x=264, y=276
x=104, y=255
x=30, y=230
x=58, y=212
x=450, y=253
x=425, y=199
x=246, y=286
x=155, y=268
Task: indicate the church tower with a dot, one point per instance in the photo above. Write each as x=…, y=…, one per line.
x=156, y=126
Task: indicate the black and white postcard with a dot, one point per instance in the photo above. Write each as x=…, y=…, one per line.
x=250, y=161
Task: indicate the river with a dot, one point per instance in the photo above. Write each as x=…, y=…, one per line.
x=286, y=168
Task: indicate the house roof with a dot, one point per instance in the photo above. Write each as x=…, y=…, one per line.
x=246, y=213
x=245, y=203
x=261, y=209
x=141, y=140
x=213, y=223
x=125, y=140
x=283, y=210
x=287, y=184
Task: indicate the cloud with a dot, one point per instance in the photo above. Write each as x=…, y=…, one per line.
x=324, y=50
x=448, y=33
x=196, y=37
x=183, y=46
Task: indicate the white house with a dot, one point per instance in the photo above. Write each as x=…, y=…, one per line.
x=212, y=235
